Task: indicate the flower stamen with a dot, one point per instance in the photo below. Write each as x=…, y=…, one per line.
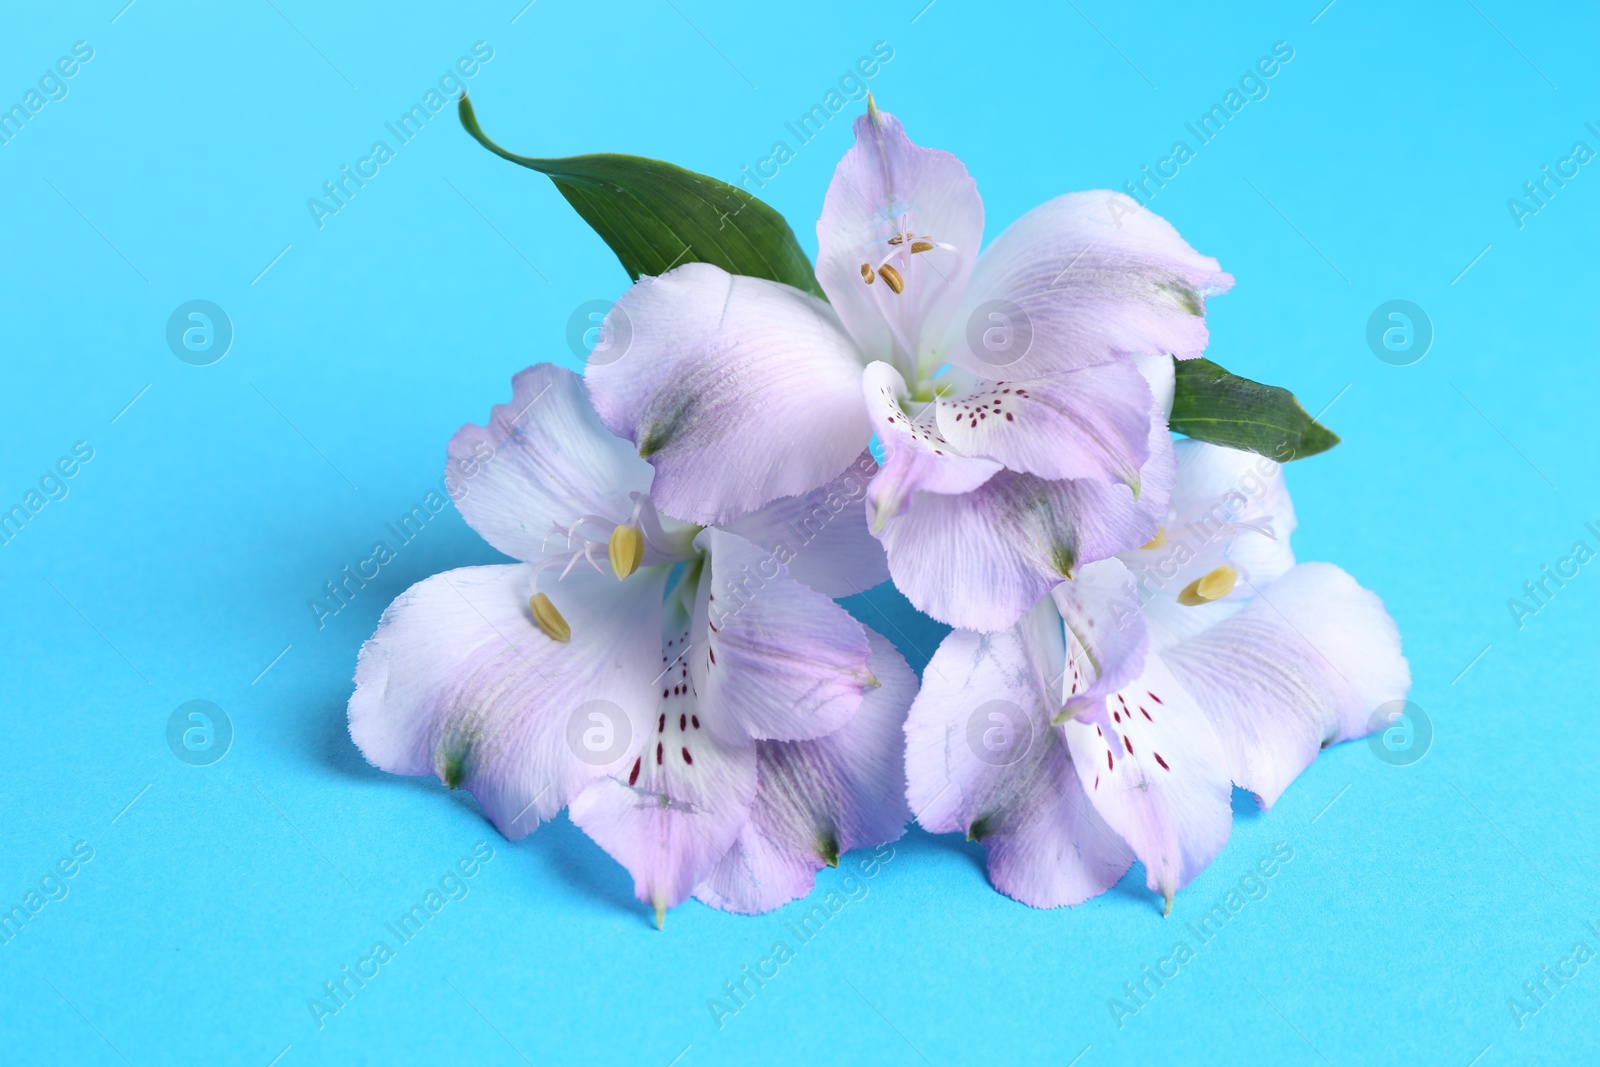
x=1214, y=585
x=549, y=619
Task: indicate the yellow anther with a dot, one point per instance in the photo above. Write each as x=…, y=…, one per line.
x=921, y=246
x=548, y=618
x=626, y=549
x=866, y=273
x=1158, y=540
x=1213, y=586
x=897, y=238
x=891, y=278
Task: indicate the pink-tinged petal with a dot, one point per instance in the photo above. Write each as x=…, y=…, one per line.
x=1092, y=422
x=543, y=461
x=978, y=560
x=982, y=758
x=886, y=188
x=737, y=390
x=675, y=812
x=916, y=455
x=772, y=659
x=459, y=682
x=1158, y=776
x=1087, y=278
x=822, y=536
x=818, y=799
x=1303, y=665
x=1100, y=608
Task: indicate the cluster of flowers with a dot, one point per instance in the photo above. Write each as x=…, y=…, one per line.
x=1132, y=636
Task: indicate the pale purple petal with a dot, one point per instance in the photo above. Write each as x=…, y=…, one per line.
x=672, y=817
x=818, y=799
x=886, y=187
x=1158, y=776
x=772, y=659
x=1091, y=277
x=459, y=682
x=978, y=560
x=1302, y=666
x=1100, y=609
x=983, y=759
x=1092, y=422
x=737, y=390
x=543, y=460
x=822, y=536
x=916, y=455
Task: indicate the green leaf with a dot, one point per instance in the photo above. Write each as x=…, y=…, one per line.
x=1212, y=405
x=656, y=216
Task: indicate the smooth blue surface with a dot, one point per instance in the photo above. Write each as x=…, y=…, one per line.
x=180, y=562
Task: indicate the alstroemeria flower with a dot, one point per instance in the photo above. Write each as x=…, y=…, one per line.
x=714, y=720
x=1003, y=388
x=1112, y=721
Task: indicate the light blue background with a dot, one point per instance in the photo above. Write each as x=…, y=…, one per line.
x=1419, y=898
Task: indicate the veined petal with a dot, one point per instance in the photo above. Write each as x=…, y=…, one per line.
x=1158, y=776
x=671, y=817
x=737, y=390
x=983, y=758
x=459, y=682
x=1091, y=422
x=819, y=799
x=1303, y=665
x=1108, y=640
x=978, y=560
x=772, y=659
x=822, y=536
x=543, y=461
x=1090, y=277
x=916, y=455
x=888, y=189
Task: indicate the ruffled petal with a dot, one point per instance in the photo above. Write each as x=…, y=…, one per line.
x=1303, y=665
x=1086, y=278
x=458, y=682
x=1092, y=422
x=737, y=390
x=886, y=188
x=818, y=799
x=1100, y=608
x=772, y=659
x=982, y=758
x=1158, y=776
x=676, y=812
x=822, y=536
x=916, y=455
x=543, y=461
x=978, y=560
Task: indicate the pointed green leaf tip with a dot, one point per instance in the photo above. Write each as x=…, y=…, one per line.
x=1209, y=404
x=656, y=216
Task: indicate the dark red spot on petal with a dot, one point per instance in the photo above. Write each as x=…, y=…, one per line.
x=688, y=758
x=683, y=722
x=696, y=720
x=1162, y=762
x=658, y=753
x=661, y=726
x=633, y=776
x=1109, y=764
x=1152, y=696
x=1127, y=744
x=1146, y=714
